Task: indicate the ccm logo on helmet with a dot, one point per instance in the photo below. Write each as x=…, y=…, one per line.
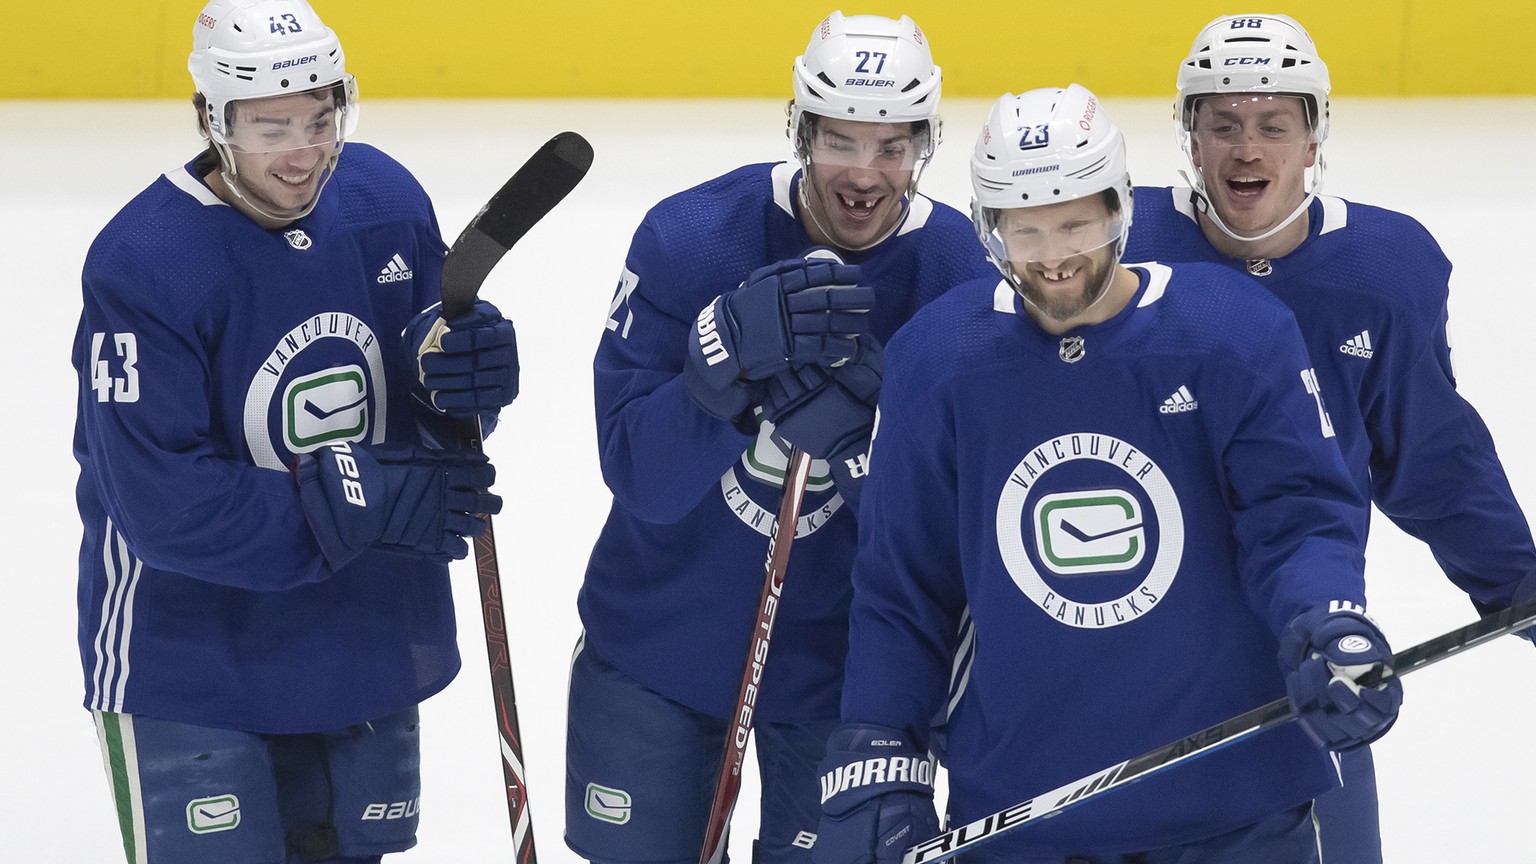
x=1246, y=61
x=299, y=62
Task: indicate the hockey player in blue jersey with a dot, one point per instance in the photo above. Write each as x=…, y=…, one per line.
x=1120, y=483
x=1368, y=288
x=722, y=342
x=264, y=593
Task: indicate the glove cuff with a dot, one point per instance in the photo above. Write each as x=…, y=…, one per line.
x=1320, y=625
x=709, y=374
x=319, y=512
x=865, y=762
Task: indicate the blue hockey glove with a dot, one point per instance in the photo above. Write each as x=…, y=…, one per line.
x=1322, y=652
x=794, y=312
x=396, y=498
x=876, y=797
x=463, y=367
x=829, y=412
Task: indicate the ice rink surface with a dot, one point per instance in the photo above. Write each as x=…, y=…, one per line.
x=1457, y=774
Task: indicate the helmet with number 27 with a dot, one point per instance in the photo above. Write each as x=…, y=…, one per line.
x=864, y=123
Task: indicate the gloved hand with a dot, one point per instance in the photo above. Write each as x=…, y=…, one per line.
x=830, y=412
x=1322, y=652
x=397, y=498
x=795, y=312
x=466, y=366
x=876, y=797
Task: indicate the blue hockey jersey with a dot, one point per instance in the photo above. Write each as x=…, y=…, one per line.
x=1129, y=514
x=210, y=352
x=671, y=589
x=1369, y=287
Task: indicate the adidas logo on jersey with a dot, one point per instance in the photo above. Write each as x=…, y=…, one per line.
x=1359, y=345
x=395, y=271
x=1181, y=401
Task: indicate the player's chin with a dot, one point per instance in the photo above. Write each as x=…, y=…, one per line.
x=289, y=202
x=858, y=232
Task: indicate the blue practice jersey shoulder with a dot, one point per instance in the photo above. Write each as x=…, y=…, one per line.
x=177, y=244
x=1379, y=262
x=684, y=233
x=750, y=216
x=1201, y=308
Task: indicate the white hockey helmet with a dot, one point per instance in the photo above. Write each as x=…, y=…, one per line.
x=252, y=49
x=1258, y=54
x=1271, y=54
x=1044, y=147
x=258, y=49
x=866, y=68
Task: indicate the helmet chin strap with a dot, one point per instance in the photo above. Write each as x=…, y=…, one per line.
x=805, y=204
x=230, y=175
x=1203, y=202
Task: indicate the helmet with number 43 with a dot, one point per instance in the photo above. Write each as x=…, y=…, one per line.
x=244, y=50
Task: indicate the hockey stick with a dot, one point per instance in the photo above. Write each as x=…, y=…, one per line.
x=1223, y=734
x=543, y=181
x=728, y=784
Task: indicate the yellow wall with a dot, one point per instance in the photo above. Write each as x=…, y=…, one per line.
x=605, y=48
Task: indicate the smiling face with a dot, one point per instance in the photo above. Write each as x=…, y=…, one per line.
x=1062, y=258
x=856, y=174
x=282, y=149
x=1253, y=152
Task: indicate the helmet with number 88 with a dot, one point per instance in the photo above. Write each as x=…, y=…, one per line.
x=1045, y=147
x=1258, y=55
x=1270, y=54
x=867, y=68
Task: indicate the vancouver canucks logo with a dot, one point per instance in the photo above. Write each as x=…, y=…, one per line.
x=323, y=383
x=767, y=460
x=1090, y=530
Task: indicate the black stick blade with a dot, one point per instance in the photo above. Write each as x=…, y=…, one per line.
x=543, y=181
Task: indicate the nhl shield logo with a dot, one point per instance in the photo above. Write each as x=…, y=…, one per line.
x=298, y=239
x=1072, y=349
x=1260, y=266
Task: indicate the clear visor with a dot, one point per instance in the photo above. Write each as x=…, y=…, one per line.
x=1251, y=120
x=882, y=147
x=1024, y=235
x=283, y=123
